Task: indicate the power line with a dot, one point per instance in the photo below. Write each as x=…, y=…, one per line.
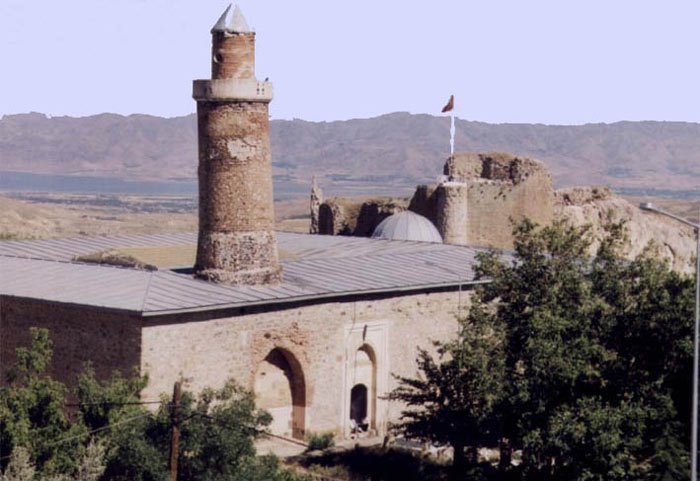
x=113, y=403
x=93, y=431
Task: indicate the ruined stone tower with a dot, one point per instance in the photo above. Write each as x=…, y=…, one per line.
x=237, y=243
x=452, y=211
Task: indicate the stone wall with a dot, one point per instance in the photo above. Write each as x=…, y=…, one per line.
x=109, y=340
x=321, y=339
x=452, y=214
x=347, y=216
x=502, y=190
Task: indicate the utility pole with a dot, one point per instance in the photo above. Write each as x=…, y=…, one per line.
x=175, y=431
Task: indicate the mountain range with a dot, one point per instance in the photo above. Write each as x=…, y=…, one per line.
x=399, y=149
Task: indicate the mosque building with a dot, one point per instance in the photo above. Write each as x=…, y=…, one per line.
x=314, y=325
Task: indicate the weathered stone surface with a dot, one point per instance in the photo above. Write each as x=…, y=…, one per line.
x=320, y=342
x=237, y=243
x=238, y=258
x=484, y=196
x=339, y=216
x=452, y=212
x=233, y=55
x=315, y=201
x=424, y=202
x=598, y=205
x=373, y=212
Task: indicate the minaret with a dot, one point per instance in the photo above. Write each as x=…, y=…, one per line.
x=237, y=243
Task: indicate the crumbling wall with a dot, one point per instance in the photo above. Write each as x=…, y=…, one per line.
x=424, y=202
x=503, y=190
x=315, y=201
x=338, y=216
x=482, y=198
x=372, y=213
x=452, y=212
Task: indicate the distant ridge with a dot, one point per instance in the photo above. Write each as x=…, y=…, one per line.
x=398, y=146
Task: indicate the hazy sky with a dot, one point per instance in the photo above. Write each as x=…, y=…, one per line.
x=555, y=62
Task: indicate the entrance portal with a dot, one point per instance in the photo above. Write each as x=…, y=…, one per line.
x=363, y=394
x=280, y=389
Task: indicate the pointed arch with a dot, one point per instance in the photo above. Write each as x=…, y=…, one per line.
x=280, y=388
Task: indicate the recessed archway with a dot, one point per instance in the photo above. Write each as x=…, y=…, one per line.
x=363, y=393
x=280, y=389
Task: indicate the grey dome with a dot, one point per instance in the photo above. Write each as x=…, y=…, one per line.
x=407, y=225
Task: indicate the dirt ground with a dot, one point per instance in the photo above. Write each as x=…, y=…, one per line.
x=61, y=215
x=22, y=219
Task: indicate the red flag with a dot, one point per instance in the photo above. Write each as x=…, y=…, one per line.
x=449, y=105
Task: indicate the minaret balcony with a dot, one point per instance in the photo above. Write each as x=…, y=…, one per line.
x=232, y=89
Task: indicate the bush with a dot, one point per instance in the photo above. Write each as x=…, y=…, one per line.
x=318, y=441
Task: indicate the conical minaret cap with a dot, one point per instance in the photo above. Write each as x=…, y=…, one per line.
x=237, y=24
x=220, y=25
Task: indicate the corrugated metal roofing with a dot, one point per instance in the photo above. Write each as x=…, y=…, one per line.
x=322, y=267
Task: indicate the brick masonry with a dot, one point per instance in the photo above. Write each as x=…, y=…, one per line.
x=237, y=242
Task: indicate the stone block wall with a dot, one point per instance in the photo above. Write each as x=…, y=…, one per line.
x=109, y=340
x=320, y=338
x=452, y=215
x=501, y=190
x=339, y=216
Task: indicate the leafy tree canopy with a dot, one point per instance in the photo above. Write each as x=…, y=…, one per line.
x=582, y=363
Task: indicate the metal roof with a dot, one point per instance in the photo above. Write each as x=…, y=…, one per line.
x=320, y=267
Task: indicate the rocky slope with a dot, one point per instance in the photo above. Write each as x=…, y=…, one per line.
x=598, y=205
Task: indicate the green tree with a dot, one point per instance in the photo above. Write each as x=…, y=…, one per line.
x=32, y=411
x=113, y=436
x=595, y=350
x=453, y=400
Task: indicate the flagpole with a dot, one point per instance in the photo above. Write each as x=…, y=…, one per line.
x=449, y=107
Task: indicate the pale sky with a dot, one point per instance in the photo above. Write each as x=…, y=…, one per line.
x=535, y=61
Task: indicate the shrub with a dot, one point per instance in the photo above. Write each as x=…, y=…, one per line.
x=318, y=441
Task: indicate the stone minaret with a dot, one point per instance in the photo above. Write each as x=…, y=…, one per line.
x=237, y=243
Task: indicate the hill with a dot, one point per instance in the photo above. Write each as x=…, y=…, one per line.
x=396, y=149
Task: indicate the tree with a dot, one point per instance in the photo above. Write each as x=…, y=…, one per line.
x=32, y=411
x=581, y=362
x=19, y=466
x=453, y=400
x=112, y=436
x=590, y=395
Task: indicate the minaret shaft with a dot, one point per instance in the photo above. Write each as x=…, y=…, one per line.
x=237, y=243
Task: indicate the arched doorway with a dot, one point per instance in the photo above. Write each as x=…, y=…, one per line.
x=280, y=389
x=358, y=407
x=363, y=394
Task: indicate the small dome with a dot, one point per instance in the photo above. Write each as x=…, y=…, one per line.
x=407, y=225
